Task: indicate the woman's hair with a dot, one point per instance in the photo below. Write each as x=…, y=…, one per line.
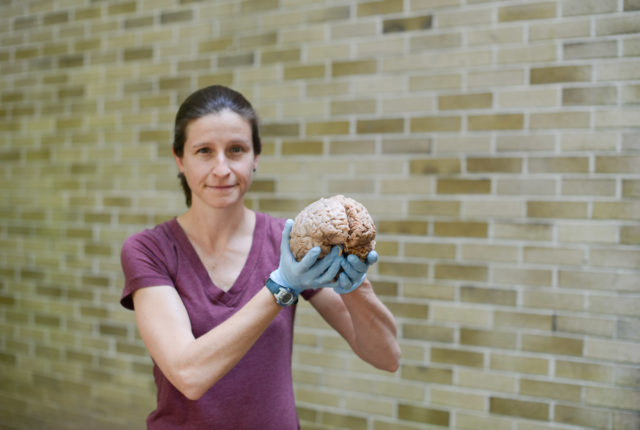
x=205, y=101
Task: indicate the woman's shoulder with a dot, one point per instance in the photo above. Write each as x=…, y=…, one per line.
x=157, y=237
x=270, y=224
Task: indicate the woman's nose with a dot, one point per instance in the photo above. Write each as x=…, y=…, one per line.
x=221, y=167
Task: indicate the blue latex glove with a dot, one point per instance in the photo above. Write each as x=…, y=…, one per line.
x=353, y=272
x=308, y=273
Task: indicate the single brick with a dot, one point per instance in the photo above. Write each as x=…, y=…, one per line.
x=551, y=75
x=122, y=8
x=550, y=390
x=460, y=229
x=488, y=295
x=407, y=227
x=436, y=123
x=461, y=272
x=434, y=207
x=588, y=96
x=236, y=60
x=55, y=18
x=407, y=24
x=422, y=42
x=139, y=53
x=626, y=24
x=304, y=72
x=584, y=417
x=390, y=125
x=495, y=122
x=254, y=6
x=406, y=146
x=484, y=252
x=379, y=7
x=457, y=357
x=523, y=320
x=178, y=16
x=552, y=344
x=583, y=371
x=465, y=101
x=560, y=120
x=617, y=164
x=581, y=7
x=488, y=338
x=351, y=107
x=280, y=129
x=484, y=380
x=412, y=270
x=284, y=55
x=409, y=310
x=542, y=10
x=589, y=187
x=430, y=250
x=559, y=165
x=307, y=147
x=356, y=67
x=429, y=166
x=542, y=209
x=435, y=82
x=519, y=364
x=139, y=22
x=427, y=374
x=464, y=186
x=428, y=333
x=215, y=45
x=494, y=165
x=519, y=408
x=617, y=210
x=589, y=50
x=257, y=40
x=327, y=127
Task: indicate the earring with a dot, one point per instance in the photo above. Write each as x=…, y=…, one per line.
x=254, y=169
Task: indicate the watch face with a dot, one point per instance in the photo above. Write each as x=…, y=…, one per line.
x=285, y=297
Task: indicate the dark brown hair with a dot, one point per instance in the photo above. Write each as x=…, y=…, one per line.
x=205, y=101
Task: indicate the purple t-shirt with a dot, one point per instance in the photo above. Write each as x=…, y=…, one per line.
x=258, y=392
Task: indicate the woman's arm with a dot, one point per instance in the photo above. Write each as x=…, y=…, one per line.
x=365, y=323
x=194, y=365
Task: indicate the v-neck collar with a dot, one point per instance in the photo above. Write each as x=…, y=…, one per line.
x=239, y=285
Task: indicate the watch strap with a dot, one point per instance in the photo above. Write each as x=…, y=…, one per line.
x=279, y=291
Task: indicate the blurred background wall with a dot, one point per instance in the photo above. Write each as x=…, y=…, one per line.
x=496, y=143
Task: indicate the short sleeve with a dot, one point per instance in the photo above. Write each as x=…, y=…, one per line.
x=144, y=264
x=307, y=294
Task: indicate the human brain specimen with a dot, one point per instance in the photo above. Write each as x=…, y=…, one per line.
x=336, y=220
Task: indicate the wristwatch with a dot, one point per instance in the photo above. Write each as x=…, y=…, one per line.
x=284, y=296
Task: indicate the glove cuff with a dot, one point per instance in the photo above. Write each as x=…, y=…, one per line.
x=351, y=288
x=276, y=277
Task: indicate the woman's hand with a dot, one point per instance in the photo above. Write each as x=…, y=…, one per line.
x=308, y=273
x=354, y=272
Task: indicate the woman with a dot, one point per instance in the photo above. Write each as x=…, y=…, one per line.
x=214, y=289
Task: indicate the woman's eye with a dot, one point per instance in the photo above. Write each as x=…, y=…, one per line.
x=203, y=151
x=237, y=149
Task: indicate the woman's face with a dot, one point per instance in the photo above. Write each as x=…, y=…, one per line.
x=218, y=159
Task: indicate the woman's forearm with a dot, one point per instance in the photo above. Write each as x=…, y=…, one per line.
x=215, y=353
x=193, y=365
x=374, y=329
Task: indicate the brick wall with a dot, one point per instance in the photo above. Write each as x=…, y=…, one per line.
x=496, y=143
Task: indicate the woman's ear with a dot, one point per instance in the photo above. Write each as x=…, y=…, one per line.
x=178, y=159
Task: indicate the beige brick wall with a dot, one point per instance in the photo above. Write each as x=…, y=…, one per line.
x=496, y=142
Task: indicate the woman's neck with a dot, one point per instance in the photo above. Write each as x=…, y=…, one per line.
x=213, y=229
